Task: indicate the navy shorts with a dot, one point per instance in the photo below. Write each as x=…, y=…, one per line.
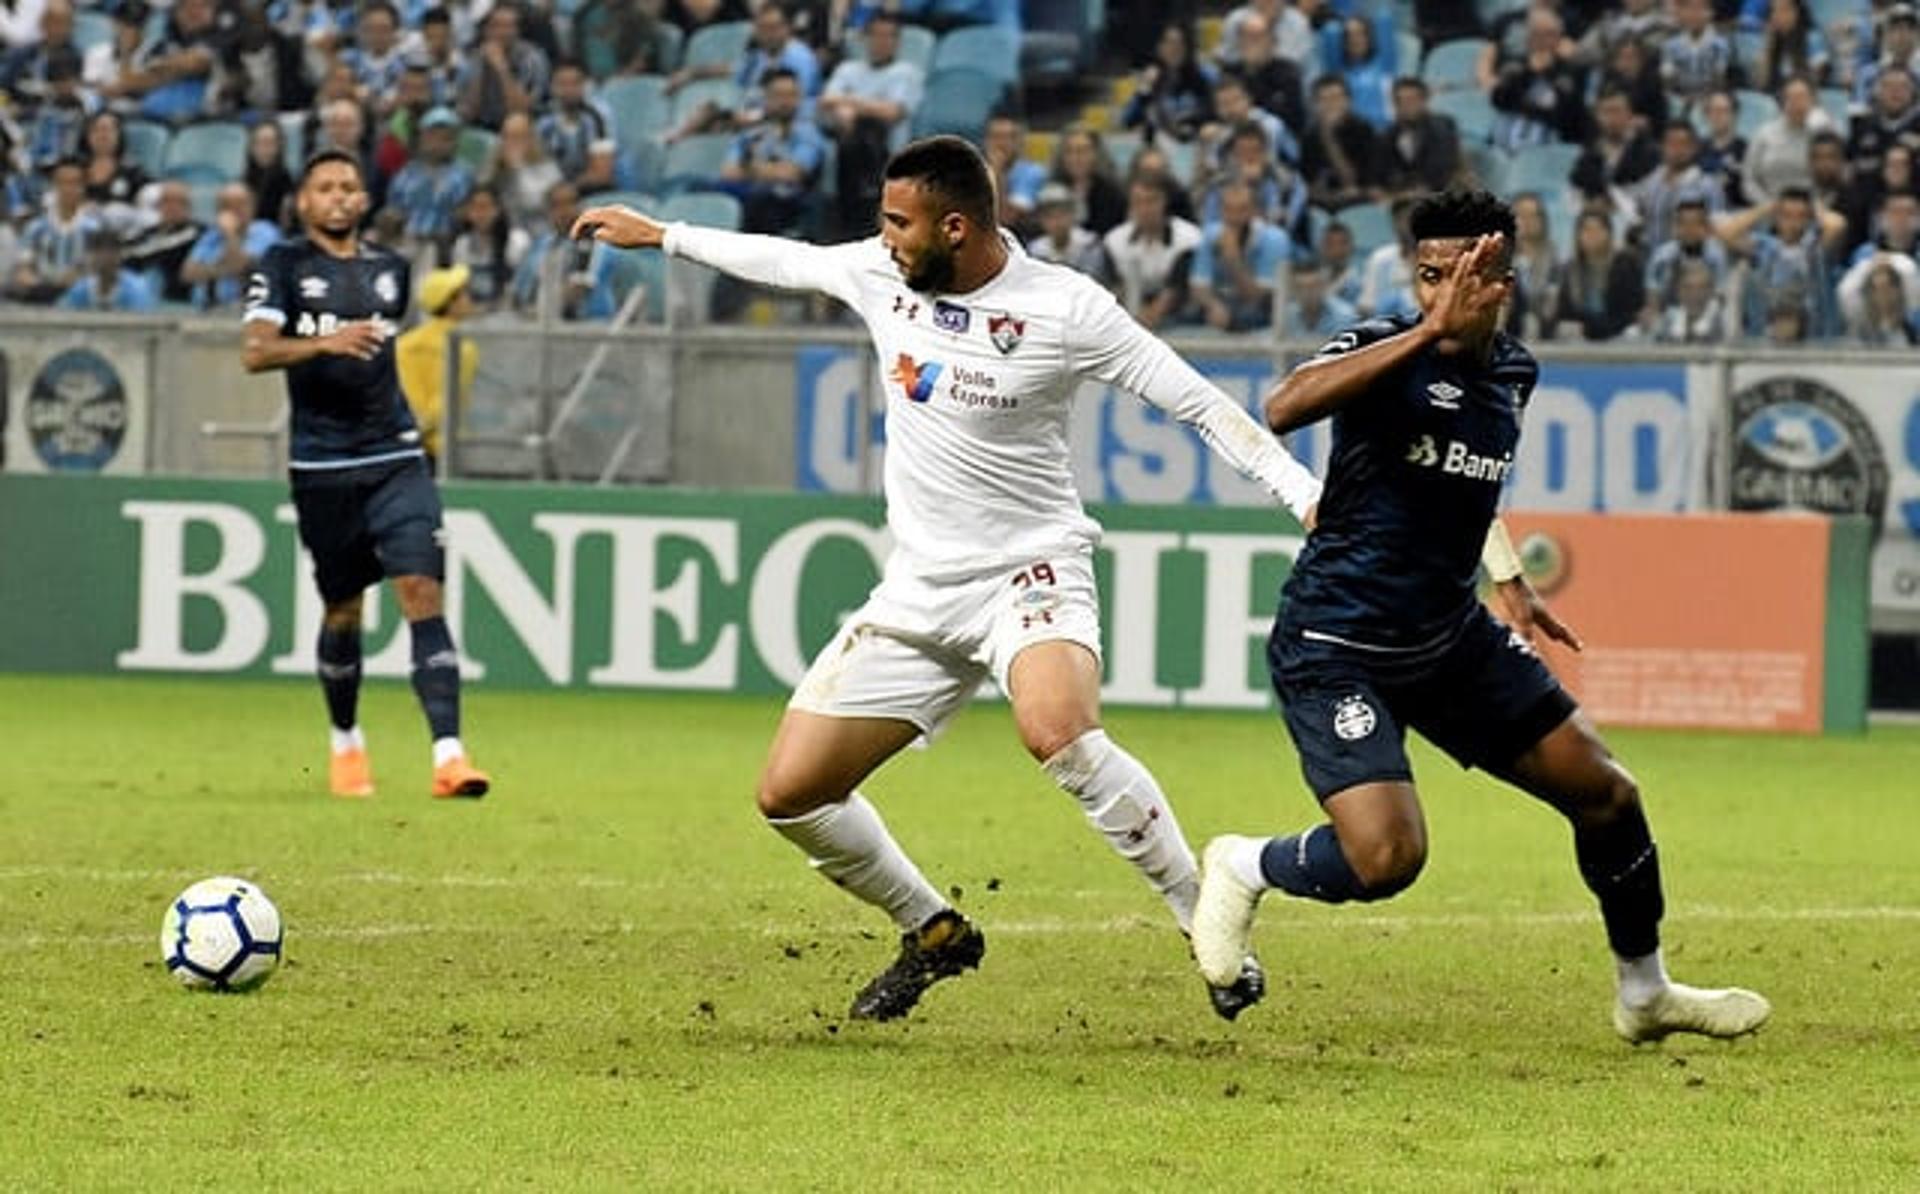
x=362, y=524
x=1485, y=699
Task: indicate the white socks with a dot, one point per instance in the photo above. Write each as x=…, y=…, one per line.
x=1244, y=861
x=849, y=844
x=1641, y=979
x=1124, y=803
x=346, y=740
x=445, y=749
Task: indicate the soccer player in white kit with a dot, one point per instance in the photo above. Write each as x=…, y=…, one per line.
x=981, y=349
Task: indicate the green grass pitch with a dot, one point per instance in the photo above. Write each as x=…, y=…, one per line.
x=609, y=975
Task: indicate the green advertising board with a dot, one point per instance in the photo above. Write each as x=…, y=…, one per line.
x=587, y=587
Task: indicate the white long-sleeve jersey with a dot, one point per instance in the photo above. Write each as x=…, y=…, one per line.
x=978, y=472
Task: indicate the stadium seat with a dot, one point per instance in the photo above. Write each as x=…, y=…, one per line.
x=475, y=147
x=1407, y=50
x=638, y=200
x=1183, y=158
x=1839, y=105
x=293, y=140
x=957, y=101
x=723, y=43
x=1490, y=11
x=1450, y=65
x=990, y=49
x=91, y=27
x=693, y=163
x=639, y=106
x=203, y=198
x=212, y=152
x=1122, y=148
x=1370, y=223
x=1830, y=13
x=709, y=209
x=1471, y=110
x=673, y=45
x=917, y=43
x=721, y=93
x=147, y=144
x=1756, y=108
x=1543, y=169
x=1490, y=164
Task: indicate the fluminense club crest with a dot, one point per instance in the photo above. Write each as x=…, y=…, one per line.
x=1006, y=332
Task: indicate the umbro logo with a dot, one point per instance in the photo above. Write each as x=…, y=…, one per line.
x=313, y=288
x=1445, y=395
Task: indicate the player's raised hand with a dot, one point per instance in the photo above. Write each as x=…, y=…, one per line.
x=360, y=340
x=621, y=227
x=1461, y=302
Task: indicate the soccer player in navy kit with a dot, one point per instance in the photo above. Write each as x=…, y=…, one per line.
x=1382, y=630
x=325, y=309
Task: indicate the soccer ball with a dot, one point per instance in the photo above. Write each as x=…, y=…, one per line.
x=221, y=934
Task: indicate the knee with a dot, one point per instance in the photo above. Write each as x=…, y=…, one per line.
x=781, y=795
x=1610, y=801
x=1047, y=736
x=1389, y=865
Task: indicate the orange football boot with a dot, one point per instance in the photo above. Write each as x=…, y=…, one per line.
x=457, y=777
x=350, y=773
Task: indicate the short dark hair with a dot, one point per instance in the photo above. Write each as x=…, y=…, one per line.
x=1678, y=125
x=885, y=18
x=1796, y=194
x=321, y=157
x=951, y=170
x=437, y=15
x=1454, y=214
x=1827, y=137
x=1331, y=81
x=775, y=73
x=1414, y=81
x=1692, y=204
x=373, y=6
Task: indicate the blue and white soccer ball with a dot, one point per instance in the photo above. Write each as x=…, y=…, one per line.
x=221, y=934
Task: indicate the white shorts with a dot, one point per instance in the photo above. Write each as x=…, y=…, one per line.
x=919, y=649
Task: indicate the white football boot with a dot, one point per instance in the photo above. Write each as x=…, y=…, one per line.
x=1723, y=1013
x=1223, y=918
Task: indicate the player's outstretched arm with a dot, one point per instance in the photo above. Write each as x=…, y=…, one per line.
x=1520, y=607
x=266, y=349
x=766, y=260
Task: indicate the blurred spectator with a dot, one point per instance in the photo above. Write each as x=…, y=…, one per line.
x=1791, y=46
x=1642, y=23
x=1506, y=41
x=1632, y=69
x=53, y=248
x=1536, y=270
x=1420, y=150
x=1153, y=160
x=1777, y=155
x=412, y=100
x=506, y=73
x=1829, y=175
x=1893, y=118
x=1692, y=241
x=1786, y=324
x=20, y=23
x=1897, y=46
x=773, y=166
x=1313, y=311
x=445, y=61
x=1386, y=278
x=343, y=126
x=1697, y=311
x=560, y=277
x=161, y=251
x=1081, y=164
x=1896, y=229
x=1173, y=94
x=113, y=179
x=172, y=73
x=328, y=27
x=691, y=15
x=1617, y=156
x=1272, y=76
x=1601, y=289
x=1061, y=240
x=226, y=253
x=520, y=172
x=572, y=122
x=1016, y=180
x=865, y=107
x=772, y=46
x=1538, y=93
x=267, y=175
x=53, y=132
x=1237, y=262
x=375, y=57
x=1879, y=299
x=1696, y=59
x=107, y=64
x=106, y=286
x=1287, y=34
x=1353, y=49
x=1233, y=106
x=420, y=353
x=25, y=69
x=1343, y=266
x=1894, y=177
x=1151, y=254
x=1338, y=155
x=262, y=69
x=1278, y=194
x=620, y=37
x=490, y=246
x=1787, y=242
x=1723, y=151
x=1679, y=179
x=604, y=170
x=433, y=184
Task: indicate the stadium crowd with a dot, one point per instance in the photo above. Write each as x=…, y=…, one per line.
x=1684, y=171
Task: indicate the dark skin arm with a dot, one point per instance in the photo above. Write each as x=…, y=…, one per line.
x=266, y=349
x=1460, y=302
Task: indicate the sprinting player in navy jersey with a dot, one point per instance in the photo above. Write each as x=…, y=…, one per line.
x=1381, y=631
x=325, y=309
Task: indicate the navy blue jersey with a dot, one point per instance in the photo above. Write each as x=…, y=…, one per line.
x=1413, y=481
x=345, y=411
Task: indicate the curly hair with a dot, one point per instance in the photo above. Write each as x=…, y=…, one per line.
x=1458, y=214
